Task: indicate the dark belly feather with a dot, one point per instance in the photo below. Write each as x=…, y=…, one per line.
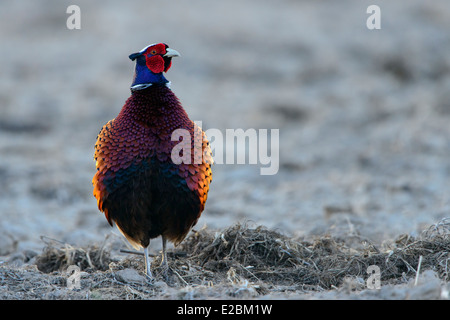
x=149, y=199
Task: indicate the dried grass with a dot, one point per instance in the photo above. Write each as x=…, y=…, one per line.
x=267, y=256
x=244, y=261
x=57, y=256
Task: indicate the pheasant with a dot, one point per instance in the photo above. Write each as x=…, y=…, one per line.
x=140, y=184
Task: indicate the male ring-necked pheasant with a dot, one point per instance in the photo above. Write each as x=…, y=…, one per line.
x=138, y=185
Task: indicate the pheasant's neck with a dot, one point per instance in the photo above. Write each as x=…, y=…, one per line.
x=155, y=106
x=144, y=78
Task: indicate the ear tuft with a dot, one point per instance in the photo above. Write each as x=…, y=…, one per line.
x=134, y=56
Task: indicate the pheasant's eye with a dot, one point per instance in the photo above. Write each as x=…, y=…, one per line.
x=153, y=52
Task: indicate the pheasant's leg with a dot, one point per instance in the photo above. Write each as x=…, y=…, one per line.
x=164, y=263
x=147, y=263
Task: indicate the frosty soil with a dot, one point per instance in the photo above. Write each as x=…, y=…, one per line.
x=363, y=139
x=238, y=262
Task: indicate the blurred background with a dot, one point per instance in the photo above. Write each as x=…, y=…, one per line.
x=363, y=114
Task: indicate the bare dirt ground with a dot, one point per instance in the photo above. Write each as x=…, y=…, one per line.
x=363, y=174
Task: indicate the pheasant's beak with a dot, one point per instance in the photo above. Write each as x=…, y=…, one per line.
x=170, y=53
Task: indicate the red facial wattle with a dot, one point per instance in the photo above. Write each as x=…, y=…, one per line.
x=155, y=63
